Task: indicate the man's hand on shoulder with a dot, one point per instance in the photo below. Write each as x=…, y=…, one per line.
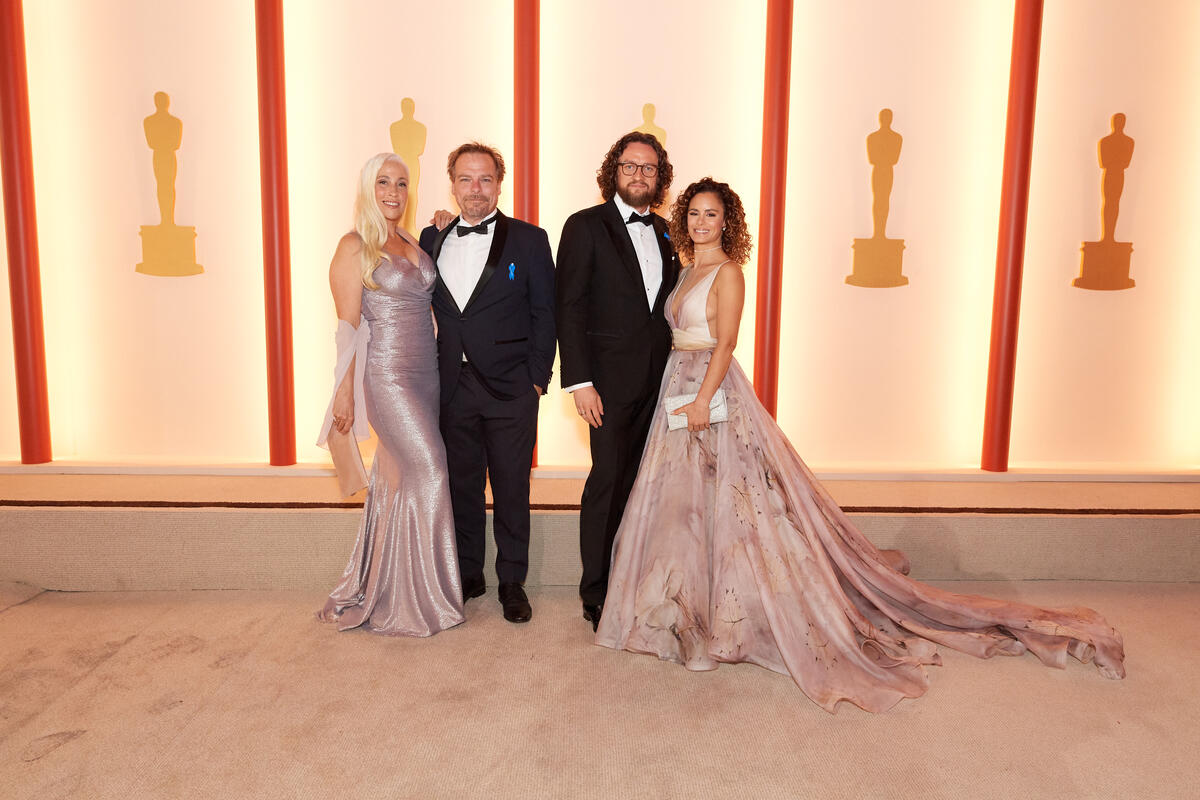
x=441, y=218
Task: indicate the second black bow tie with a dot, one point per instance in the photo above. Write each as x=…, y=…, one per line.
x=645, y=219
x=466, y=230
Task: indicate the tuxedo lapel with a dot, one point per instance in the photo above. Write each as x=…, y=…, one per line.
x=669, y=266
x=498, y=238
x=620, y=237
x=441, y=289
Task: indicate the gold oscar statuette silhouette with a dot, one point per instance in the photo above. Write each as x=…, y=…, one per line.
x=408, y=142
x=648, y=125
x=1105, y=264
x=877, y=262
x=168, y=250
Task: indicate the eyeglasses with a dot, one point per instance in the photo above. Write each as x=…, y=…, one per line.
x=631, y=168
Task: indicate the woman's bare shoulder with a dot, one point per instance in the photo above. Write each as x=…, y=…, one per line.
x=349, y=245
x=730, y=274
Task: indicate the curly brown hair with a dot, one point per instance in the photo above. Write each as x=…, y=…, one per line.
x=606, y=176
x=481, y=149
x=735, y=236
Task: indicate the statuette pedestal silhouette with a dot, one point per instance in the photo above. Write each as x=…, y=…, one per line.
x=168, y=251
x=878, y=262
x=1105, y=266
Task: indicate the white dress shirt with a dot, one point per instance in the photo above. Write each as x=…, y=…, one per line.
x=462, y=259
x=645, y=245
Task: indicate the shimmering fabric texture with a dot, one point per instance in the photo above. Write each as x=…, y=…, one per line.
x=730, y=550
x=402, y=578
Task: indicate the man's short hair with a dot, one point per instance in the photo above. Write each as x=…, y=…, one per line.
x=475, y=147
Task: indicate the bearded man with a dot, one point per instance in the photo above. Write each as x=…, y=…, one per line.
x=615, y=268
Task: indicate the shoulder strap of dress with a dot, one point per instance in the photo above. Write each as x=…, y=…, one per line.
x=712, y=275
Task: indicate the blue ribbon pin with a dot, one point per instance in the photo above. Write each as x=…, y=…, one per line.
x=512, y=272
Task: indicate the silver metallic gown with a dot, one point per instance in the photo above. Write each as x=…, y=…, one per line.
x=402, y=578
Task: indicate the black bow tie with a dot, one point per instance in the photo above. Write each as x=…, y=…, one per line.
x=466, y=230
x=645, y=219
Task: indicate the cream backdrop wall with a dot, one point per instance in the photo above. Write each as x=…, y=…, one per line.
x=701, y=65
x=892, y=376
x=173, y=369
x=1113, y=376
x=349, y=66
x=145, y=368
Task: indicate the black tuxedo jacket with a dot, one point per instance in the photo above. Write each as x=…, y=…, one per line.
x=607, y=334
x=507, y=328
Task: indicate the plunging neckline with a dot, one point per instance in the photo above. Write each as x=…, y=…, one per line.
x=422, y=266
x=404, y=245
x=395, y=258
x=677, y=301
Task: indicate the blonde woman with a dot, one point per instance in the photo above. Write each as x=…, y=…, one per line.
x=402, y=578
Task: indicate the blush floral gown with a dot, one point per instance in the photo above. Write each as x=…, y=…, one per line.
x=730, y=550
x=402, y=578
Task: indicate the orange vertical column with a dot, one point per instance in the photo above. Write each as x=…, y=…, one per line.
x=777, y=83
x=272, y=138
x=1010, y=247
x=526, y=96
x=20, y=221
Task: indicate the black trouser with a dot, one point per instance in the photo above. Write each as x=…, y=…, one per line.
x=490, y=438
x=616, y=453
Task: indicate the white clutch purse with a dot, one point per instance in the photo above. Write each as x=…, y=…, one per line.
x=718, y=410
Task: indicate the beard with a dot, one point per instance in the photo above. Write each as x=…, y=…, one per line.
x=636, y=195
x=475, y=206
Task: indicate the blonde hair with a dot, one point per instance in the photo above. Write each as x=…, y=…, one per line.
x=369, y=223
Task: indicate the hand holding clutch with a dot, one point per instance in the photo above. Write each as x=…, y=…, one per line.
x=718, y=410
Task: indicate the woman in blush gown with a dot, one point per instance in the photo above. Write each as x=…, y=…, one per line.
x=730, y=550
x=402, y=578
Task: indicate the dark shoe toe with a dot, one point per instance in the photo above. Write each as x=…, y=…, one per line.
x=592, y=614
x=473, y=586
x=515, y=602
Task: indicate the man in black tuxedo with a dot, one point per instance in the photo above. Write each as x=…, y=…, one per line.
x=616, y=267
x=494, y=305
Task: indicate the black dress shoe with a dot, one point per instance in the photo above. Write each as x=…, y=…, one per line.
x=592, y=614
x=473, y=586
x=515, y=603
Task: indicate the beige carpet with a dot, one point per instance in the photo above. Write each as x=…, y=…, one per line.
x=242, y=694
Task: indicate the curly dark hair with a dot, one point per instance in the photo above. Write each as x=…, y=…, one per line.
x=481, y=149
x=735, y=237
x=606, y=176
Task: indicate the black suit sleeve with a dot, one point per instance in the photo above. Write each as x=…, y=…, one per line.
x=426, y=240
x=576, y=260
x=541, y=311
